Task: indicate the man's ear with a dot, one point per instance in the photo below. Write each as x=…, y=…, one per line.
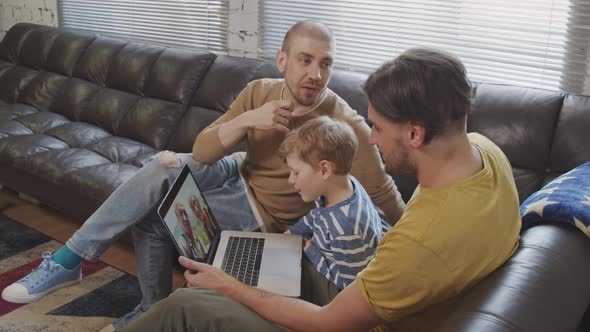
x=416, y=133
x=327, y=169
x=281, y=60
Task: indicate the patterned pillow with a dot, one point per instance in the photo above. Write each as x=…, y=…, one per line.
x=565, y=199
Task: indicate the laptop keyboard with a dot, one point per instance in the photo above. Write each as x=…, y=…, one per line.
x=242, y=259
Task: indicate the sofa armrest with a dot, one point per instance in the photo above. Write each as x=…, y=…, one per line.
x=543, y=287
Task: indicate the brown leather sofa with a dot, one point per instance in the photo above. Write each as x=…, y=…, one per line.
x=81, y=113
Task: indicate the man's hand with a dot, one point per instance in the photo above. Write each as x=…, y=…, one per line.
x=206, y=276
x=272, y=115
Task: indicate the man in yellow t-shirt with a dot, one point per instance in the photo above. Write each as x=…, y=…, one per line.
x=461, y=224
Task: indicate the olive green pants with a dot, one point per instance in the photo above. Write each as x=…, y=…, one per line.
x=198, y=309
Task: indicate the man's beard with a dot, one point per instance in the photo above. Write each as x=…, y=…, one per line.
x=301, y=101
x=401, y=164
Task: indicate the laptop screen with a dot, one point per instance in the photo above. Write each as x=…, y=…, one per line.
x=188, y=218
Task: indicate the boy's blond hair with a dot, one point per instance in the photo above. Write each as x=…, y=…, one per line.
x=320, y=139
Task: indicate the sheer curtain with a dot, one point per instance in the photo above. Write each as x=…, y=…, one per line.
x=535, y=43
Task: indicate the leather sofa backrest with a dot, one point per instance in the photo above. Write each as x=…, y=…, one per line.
x=224, y=81
x=541, y=132
x=165, y=97
x=528, y=124
x=228, y=76
x=570, y=146
x=134, y=90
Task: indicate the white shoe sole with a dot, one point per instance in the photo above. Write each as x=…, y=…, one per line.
x=38, y=296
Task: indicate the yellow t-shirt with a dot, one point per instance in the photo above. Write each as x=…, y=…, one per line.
x=447, y=239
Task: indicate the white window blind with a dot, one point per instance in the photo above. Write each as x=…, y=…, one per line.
x=188, y=24
x=535, y=43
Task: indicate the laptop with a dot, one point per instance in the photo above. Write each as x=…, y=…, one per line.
x=271, y=262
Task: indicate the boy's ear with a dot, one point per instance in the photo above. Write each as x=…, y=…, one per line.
x=326, y=168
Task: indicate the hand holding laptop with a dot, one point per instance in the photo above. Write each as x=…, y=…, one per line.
x=271, y=262
x=205, y=276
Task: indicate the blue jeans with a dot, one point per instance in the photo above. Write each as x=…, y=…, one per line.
x=134, y=204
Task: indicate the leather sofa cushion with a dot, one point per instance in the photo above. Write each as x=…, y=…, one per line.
x=74, y=98
x=129, y=69
x=195, y=119
x=235, y=73
x=78, y=134
x=36, y=46
x=42, y=90
x=12, y=42
x=94, y=64
x=13, y=81
x=66, y=50
x=4, y=66
x=176, y=73
x=97, y=182
x=151, y=121
x=107, y=107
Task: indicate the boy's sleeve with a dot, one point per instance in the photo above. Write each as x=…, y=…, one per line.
x=351, y=255
x=316, y=257
x=303, y=227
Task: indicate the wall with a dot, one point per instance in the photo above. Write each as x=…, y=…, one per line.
x=243, y=28
x=33, y=11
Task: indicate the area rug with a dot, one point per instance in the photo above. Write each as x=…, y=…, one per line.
x=104, y=294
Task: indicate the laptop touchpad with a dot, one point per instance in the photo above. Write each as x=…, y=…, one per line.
x=280, y=262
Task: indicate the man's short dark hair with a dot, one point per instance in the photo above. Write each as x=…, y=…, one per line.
x=426, y=86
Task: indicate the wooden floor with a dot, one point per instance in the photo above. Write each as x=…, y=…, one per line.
x=60, y=227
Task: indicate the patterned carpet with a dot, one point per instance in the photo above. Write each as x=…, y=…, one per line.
x=104, y=294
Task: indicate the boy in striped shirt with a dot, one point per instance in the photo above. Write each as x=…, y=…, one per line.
x=342, y=233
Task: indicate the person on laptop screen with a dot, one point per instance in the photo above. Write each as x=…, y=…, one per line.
x=188, y=245
x=343, y=231
x=202, y=214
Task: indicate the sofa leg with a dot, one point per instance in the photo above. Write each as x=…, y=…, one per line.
x=28, y=198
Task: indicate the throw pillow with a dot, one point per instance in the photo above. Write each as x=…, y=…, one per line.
x=565, y=199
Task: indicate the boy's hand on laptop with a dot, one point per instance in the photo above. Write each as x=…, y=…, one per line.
x=206, y=276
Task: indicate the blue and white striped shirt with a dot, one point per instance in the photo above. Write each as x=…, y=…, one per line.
x=345, y=235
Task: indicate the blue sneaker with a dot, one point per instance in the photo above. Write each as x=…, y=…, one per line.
x=46, y=278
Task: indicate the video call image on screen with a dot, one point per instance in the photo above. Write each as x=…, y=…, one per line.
x=189, y=211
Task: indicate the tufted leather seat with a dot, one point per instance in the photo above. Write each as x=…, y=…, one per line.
x=81, y=113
